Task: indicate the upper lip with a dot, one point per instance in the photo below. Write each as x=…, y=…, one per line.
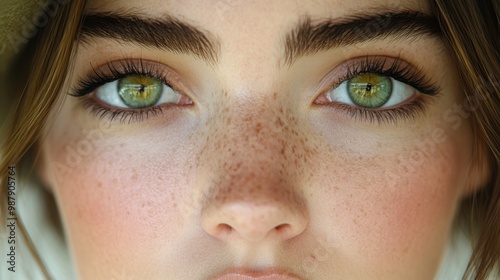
x=255, y=274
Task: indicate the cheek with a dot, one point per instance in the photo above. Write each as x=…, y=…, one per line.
x=120, y=199
x=392, y=206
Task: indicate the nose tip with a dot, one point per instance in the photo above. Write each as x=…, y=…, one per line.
x=253, y=222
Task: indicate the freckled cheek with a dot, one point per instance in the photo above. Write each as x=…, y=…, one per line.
x=111, y=199
x=394, y=208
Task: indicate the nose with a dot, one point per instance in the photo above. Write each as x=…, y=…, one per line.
x=251, y=209
x=252, y=222
x=254, y=192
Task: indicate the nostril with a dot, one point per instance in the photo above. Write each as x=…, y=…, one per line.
x=252, y=221
x=287, y=230
x=283, y=228
x=223, y=229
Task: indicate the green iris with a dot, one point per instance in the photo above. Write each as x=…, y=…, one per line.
x=369, y=90
x=140, y=91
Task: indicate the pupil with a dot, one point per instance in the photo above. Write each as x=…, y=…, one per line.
x=368, y=87
x=141, y=89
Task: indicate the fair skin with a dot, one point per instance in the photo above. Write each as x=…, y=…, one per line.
x=258, y=169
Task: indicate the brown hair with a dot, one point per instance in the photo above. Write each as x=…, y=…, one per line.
x=38, y=89
x=470, y=31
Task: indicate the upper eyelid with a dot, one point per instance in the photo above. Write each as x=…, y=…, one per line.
x=349, y=68
x=114, y=70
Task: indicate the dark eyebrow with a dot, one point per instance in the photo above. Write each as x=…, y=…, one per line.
x=166, y=33
x=308, y=37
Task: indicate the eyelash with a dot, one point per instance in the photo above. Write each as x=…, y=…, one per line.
x=406, y=74
x=125, y=68
x=377, y=65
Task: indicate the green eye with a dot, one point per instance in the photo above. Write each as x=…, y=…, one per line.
x=139, y=91
x=369, y=90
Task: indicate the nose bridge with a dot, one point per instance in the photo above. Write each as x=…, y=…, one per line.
x=262, y=123
x=251, y=152
x=251, y=131
x=252, y=192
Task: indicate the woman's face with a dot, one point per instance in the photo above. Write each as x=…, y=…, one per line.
x=324, y=139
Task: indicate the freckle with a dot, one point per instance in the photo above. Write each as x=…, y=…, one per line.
x=258, y=128
x=275, y=95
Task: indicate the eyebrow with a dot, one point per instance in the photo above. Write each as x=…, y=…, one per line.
x=167, y=33
x=306, y=38
x=309, y=38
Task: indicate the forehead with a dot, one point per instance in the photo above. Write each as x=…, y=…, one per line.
x=258, y=13
x=237, y=25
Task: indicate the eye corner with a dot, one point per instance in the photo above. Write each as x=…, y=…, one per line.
x=322, y=99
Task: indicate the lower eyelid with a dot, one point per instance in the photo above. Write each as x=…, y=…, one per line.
x=121, y=115
x=102, y=110
x=390, y=115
